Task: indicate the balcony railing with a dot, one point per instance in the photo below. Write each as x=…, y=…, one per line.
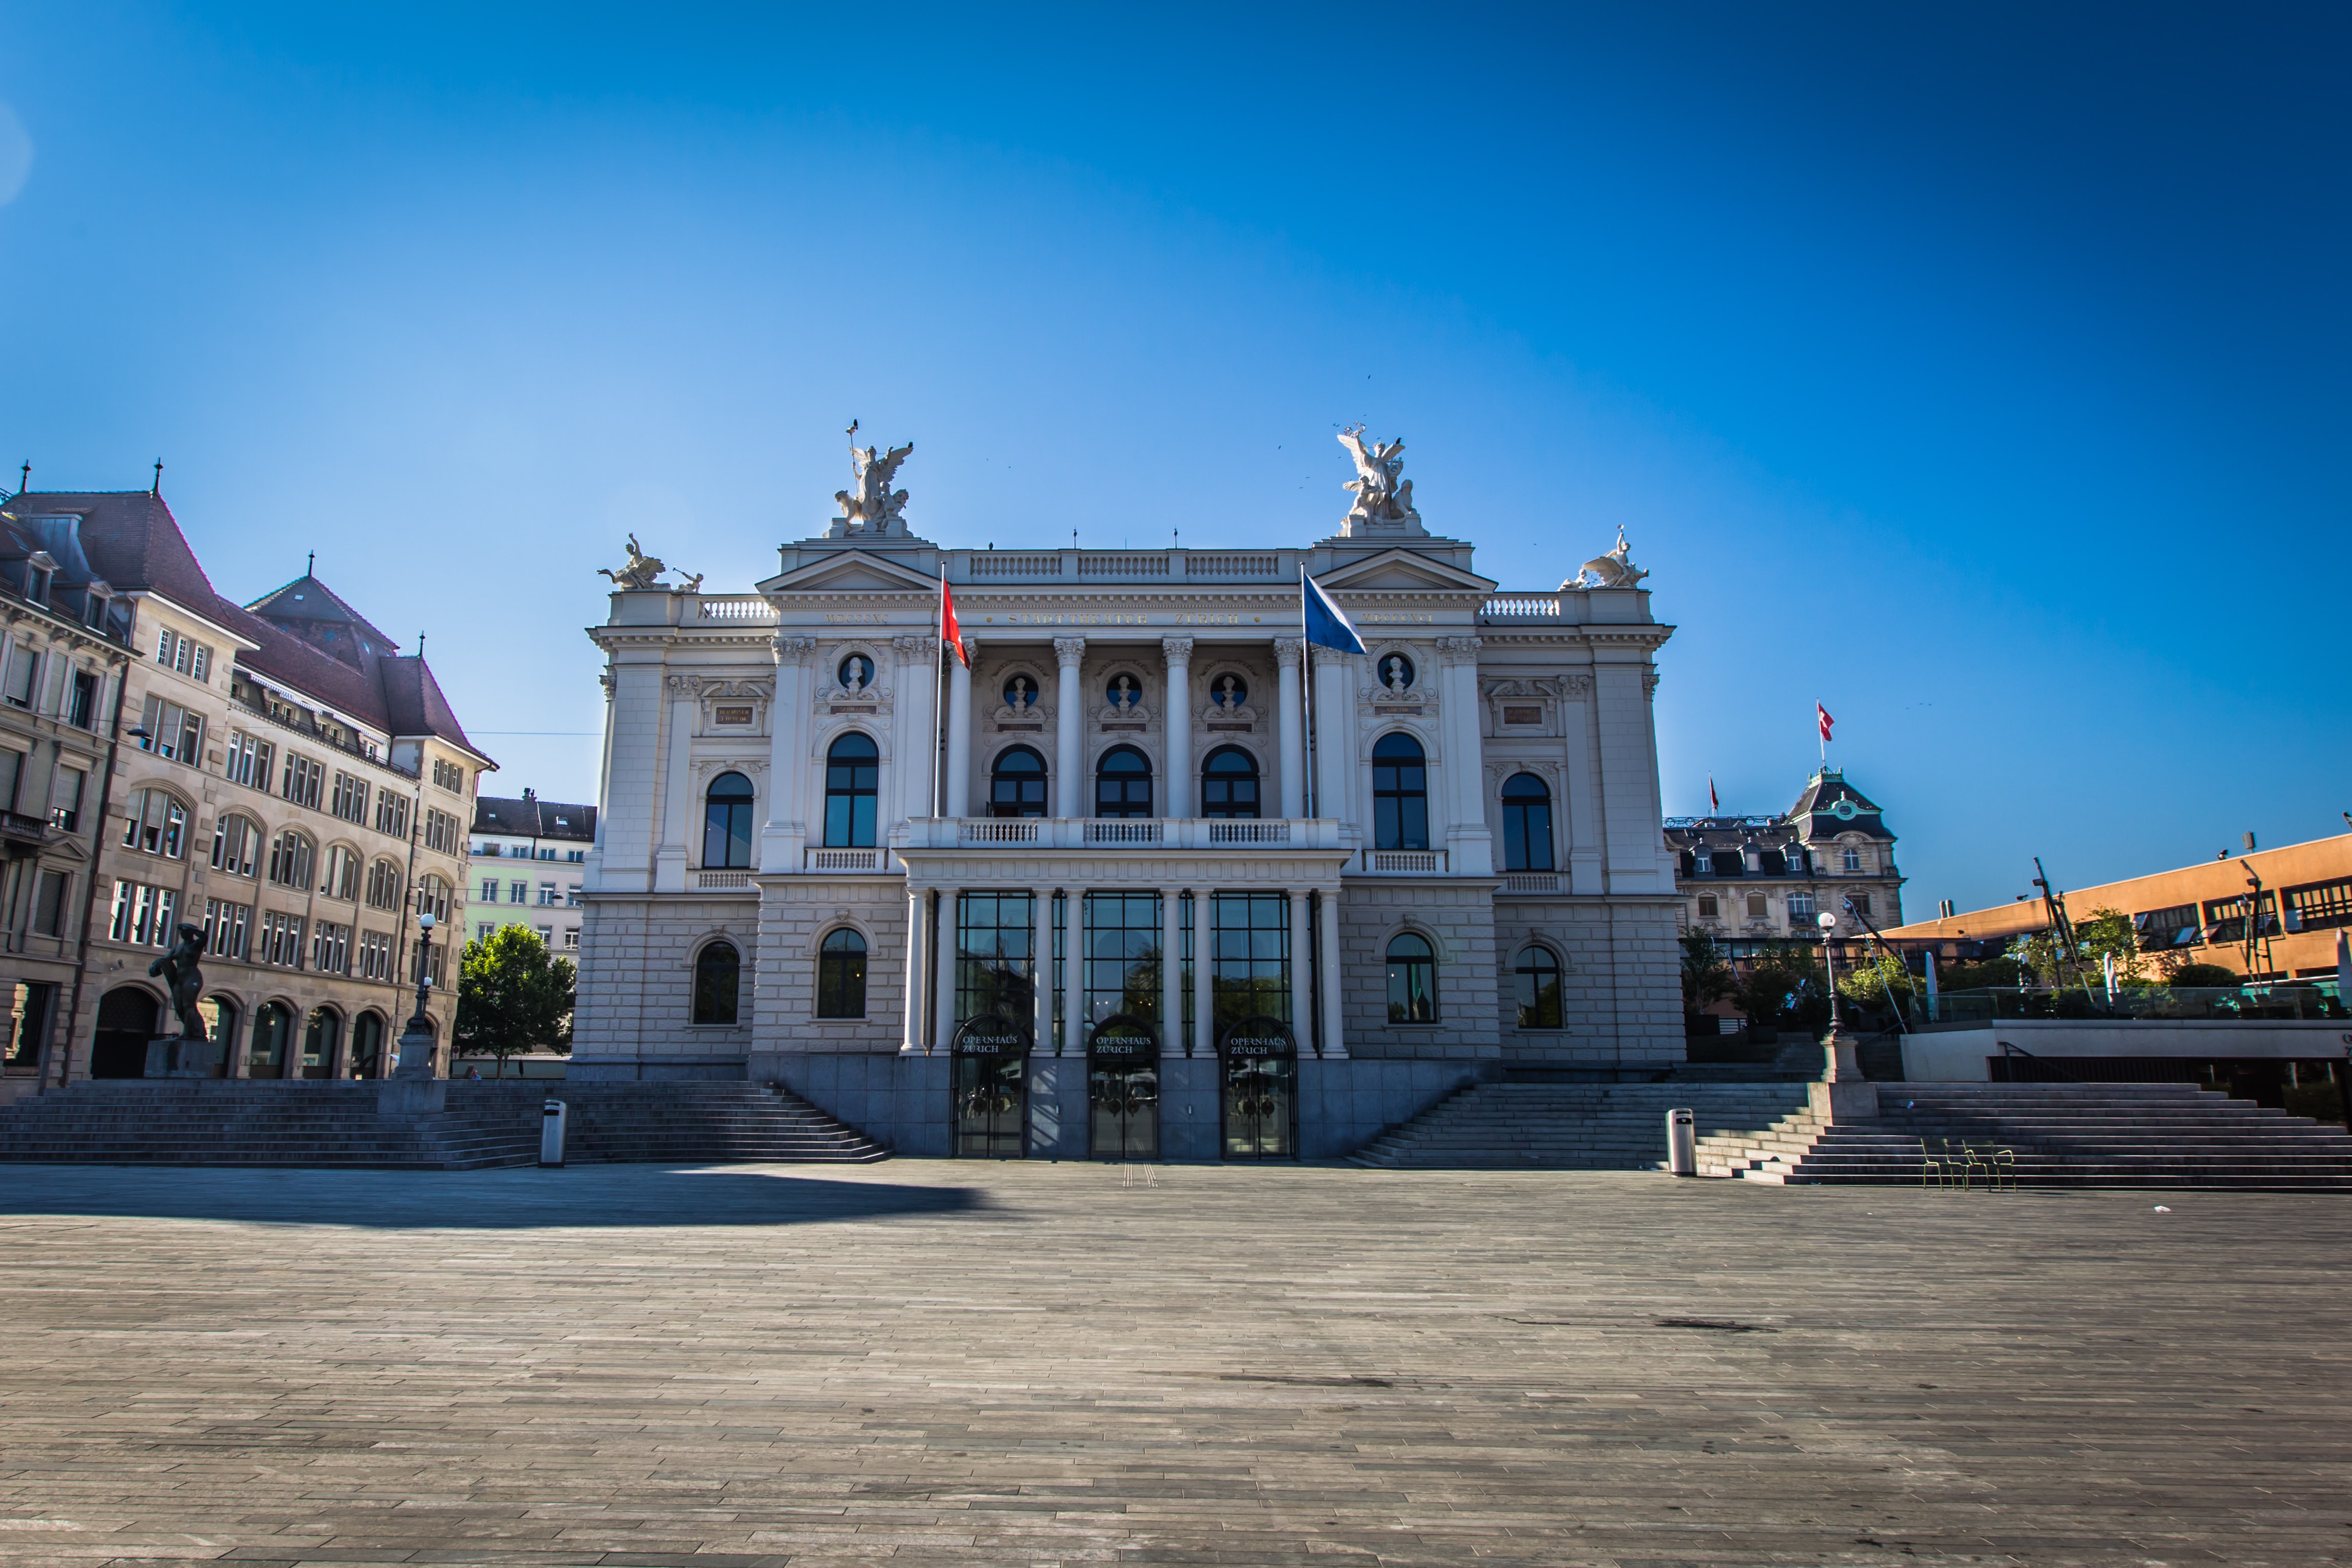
x=1223, y=835
x=1532, y=881
x=1423, y=862
x=842, y=860
x=709, y=880
x=734, y=606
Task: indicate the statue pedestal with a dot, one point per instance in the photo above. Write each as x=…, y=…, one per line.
x=1842, y=1093
x=177, y=1056
x=413, y=1090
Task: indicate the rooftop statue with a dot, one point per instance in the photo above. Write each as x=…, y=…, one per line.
x=1615, y=569
x=640, y=572
x=873, y=504
x=1381, y=494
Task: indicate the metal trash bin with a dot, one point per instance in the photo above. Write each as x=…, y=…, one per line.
x=1682, y=1141
x=552, y=1121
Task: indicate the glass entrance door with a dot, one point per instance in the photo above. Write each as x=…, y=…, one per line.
x=989, y=1083
x=1261, y=1091
x=1123, y=1091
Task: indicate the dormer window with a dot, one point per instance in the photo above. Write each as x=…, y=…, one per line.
x=37, y=584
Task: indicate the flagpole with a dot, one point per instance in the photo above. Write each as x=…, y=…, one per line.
x=1307, y=656
x=940, y=759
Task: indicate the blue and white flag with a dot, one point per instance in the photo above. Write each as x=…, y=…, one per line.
x=1327, y=625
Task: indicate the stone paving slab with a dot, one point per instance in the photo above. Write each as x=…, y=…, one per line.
x=943, y=1363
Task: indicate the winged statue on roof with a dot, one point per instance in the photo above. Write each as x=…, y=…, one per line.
x=1382, y=494
x=873, y=505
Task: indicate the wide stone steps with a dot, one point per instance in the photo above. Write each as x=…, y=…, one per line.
x=1612, y=1126
x=485, y=1124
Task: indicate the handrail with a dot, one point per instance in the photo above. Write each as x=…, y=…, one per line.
x=2008, y=1050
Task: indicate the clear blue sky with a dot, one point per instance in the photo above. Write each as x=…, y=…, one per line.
x=1979, y=371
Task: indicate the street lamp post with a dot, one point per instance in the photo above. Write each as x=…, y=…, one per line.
x=416, y=1037
x=1840, y=1064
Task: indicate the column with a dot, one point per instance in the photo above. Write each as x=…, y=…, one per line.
x=1040, y=1021
x=916, y=969
x=781, y=842
x=1335, y=727
x=1178, y=650
x=916, y=703
x=1205, y=953
x=677, y=788
x=1334, y=1032
x=959, y=755
x=1302, y=934
x=1171, y=977
x=1073, y=973
x=1290, y=726
x=1069, y=721
x=943, y=1000
x=1469, y=842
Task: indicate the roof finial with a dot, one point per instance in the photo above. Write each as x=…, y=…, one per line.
x=25, y=478
x=158, y=488
x=310, y=566
x=420, y=644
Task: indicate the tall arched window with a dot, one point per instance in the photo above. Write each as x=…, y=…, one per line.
x=841, y=976
x=1399, y=794
x=1016, y=785
x=1123, y=783
x=342, y=876
x=236, y=845
x=384, y=885
x=156, y=823
x=853, y=770
x=718, y=969
x=266, y=1058
x=1526, y=823
x=1229, y=783
x=433, y=898
x=727, y=822
x=1538, y=983
x=367, y=1046
x=321, y=1032
x=1412, y=979
x=291, y=858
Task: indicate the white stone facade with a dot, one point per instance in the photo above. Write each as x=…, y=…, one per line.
x=1076, y=655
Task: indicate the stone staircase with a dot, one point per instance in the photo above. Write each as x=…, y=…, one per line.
x=1572, y=1127
x=328, y=1123
x=2060, y=1134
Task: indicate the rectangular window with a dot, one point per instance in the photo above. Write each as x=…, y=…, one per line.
x=248, y=761
x=24, y=665
x=1709, y=906
x=1249, y=958
x=12, y=772
x=330, y=948
x=522, y=892
x=49, y=903
x=996, y=970
x=489, y=890
x=228, y=927
x=483, y=930
x=1756, y=906
x=442, y=832
x=571, y=896
x=2162, y=928
x=143, y=914
x=278, y=940
x=375, y=955
x=82, y=703
x=546, y=895
x=1120, y=958
x=350, y=798
x=572, y=940
x=303, y=780
x=1801, y=908
x=448, y=775
x=392, y=814
x=546, y=933
x=1853, y=862
x=1861, y=901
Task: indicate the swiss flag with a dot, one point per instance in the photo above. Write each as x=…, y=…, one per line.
x=1713, y=804
x=1822, y=713
x=948, y=627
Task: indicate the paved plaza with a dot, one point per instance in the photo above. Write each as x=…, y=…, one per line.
x=931, y=1362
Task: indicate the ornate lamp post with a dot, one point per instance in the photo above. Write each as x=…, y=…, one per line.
x=416, y=1037
x=1842, y=1093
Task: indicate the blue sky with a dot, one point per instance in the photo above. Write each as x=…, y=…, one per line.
x=1977, y=371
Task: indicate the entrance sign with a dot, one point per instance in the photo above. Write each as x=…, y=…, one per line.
x=988, y=1074
x=1123, y=1089
x=1259, y=1104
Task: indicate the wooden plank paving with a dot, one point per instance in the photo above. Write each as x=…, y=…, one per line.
x=959, y=1364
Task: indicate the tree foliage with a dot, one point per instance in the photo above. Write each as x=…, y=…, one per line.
x=514, y=998
x=1706, y=977
x=1785, y=986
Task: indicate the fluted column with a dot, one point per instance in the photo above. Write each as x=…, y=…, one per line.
x=782, y=841
x=1302, y=932
x=1335, y=1032
x=1335, y=727
x=1204, y=954
x=917, y=966
x=1073, y=973
x=1171, y=975
x=1069, y=720
x=943, y=1001
x=1290, y=726
x=959, y=758
x=677, y=848
x=1041, y=1019
x=1469, y=842
x=1178, y=650
x=916, y=751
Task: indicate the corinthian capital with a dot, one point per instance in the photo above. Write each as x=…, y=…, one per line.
x=911, y=648
x=792, y=650
x=682, y=688
x=1070, y=649
x=1458, y=650
x=1287, y=651
x=1178, y=649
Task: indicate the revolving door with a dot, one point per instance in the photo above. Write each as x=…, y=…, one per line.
x=989, y=1062
x=1259, y=1068
x=1123, y=1089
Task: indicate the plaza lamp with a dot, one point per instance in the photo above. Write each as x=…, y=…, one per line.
x=1841, y=1065
x=416, y=1037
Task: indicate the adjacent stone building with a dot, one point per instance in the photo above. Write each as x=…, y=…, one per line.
x=529, y=859
x=1095, y=892
x=1751, y=881
x=277, y=774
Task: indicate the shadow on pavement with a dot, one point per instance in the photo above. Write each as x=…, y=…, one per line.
x=523, y=1199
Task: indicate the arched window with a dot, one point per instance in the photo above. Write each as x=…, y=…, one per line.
x=342, y=878
x=157, y=825
x=1016, y=785
x=1412, y=980
x=841, y=976
x=1123, y=783
x=727, y=822
x=384, y=885
x=367, y=1046
x=433, y=898
x=1229, y=783
x=853, y=770
x=1399, y=794
x=266, y=1056
x=718, y=969
x=321, y=1032
x=291, y=858
x=1526, y=823
x=236, y=845
x=1538, y=981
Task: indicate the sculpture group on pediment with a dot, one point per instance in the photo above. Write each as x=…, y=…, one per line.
x=1615, y=569
x=1383, y=495
x=870, y=506
x=644, y=572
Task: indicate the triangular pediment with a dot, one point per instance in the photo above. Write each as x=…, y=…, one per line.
x=852, y=572
x=1402, y=571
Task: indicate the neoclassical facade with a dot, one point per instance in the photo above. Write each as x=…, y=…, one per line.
x=1135, y=879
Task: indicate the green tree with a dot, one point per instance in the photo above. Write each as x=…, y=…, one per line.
x=513, y=997
x=1785, y=985
x=2194, y=976
x=2106, y=932
x=1878, y=981
x=1706, y=977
